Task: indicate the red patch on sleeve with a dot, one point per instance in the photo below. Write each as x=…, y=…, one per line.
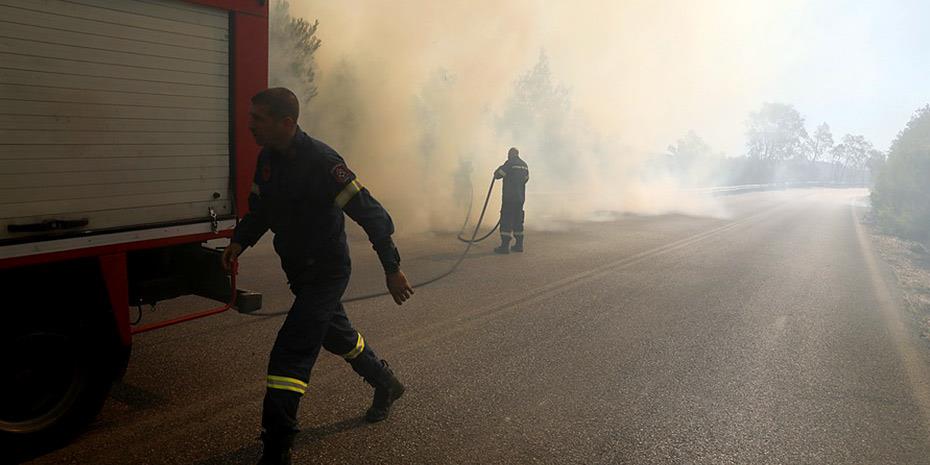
x=266, y=172
x=342, y=174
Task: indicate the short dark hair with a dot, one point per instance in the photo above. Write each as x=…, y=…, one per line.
x=513, y=151
x=281, y=102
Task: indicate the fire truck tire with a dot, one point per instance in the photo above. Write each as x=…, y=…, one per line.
x=53, y=384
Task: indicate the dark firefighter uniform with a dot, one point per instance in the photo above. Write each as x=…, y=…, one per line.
x=301, y=196
x=515, y=174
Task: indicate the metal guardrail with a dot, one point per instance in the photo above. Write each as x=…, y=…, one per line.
x=723, y=190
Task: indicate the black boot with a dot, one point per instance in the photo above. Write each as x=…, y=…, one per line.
x=277, y=449
x=505, y=245
x=387, y=390
x=518, y=246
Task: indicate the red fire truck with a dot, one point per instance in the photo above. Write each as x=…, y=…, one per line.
x=124, y=147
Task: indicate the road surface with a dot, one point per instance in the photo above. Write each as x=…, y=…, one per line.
x=770, y=336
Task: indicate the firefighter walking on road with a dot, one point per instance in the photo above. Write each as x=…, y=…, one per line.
x=300, y=191
x=515, y=174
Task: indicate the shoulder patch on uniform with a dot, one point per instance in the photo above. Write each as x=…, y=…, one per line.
x=342, y=174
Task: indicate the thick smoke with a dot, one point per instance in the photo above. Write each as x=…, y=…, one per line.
x=424, y=98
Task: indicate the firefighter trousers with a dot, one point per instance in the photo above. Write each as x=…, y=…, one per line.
x=512, y=219
x=316, y=319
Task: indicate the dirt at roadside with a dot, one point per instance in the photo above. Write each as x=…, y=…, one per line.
x=910, y=262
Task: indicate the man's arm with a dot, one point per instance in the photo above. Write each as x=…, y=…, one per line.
x=358, y=203
x=500, y=173
x=355, y=200
x=255, y=223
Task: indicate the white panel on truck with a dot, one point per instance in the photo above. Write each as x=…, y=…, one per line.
x=114, y=114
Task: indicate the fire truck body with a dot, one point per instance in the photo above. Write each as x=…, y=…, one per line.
x=124, y=146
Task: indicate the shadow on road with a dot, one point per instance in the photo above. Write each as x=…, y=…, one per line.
x=250, y=454
x=134, y=397
x=448, y=257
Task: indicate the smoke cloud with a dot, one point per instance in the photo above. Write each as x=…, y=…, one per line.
x=425, y=98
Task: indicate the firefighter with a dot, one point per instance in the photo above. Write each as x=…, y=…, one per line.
x=300, y=191
x=515, y=174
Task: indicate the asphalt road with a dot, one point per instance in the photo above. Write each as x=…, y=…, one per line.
x=769, y=336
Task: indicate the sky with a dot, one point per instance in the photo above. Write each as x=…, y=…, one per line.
x=862, y=66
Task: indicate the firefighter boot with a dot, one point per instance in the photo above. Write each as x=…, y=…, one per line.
x=387, y=390
x=505, y=245
x=518, y=246
x=277, y=449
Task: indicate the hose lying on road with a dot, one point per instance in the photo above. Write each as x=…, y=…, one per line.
x=470, y=242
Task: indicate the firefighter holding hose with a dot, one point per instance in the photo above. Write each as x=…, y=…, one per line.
x=515, y=174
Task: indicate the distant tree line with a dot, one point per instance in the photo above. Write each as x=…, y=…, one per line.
x=776, y=137
x=779, y=149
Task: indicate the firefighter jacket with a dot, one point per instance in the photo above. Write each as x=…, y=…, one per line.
x=515, y=174
x=301, y=196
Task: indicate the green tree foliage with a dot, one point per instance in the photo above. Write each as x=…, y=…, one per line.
x=876, y=162
x=537, y=102
x=850, y=158
x=291, y=45
x=344, y=103
x=852, y=152
x=689, y=149
x=776, y=132
x=537, y=119
x=688, y=152
x=821, y=143
x=901, y=195
x=432, y=107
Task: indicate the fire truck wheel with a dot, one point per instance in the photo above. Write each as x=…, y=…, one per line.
x=52, y=384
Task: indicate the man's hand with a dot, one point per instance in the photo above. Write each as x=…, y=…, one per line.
x=399, y=287
x=230, y=255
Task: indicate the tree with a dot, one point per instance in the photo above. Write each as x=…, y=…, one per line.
x=688, y=151
x=537, y=117
x=344, y=103
x=856, y=151
x=821, y=143
x=901, y=190
x=536, y=101
x=876, y=162
x=291, y=45
x=432, y=106
x=838, y=157
x=776, y=132
x=850, y=156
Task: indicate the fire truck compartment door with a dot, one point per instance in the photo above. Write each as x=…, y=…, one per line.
x=114, y=113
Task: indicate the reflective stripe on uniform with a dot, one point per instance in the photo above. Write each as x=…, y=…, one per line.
x=287, y=384
x=505, y=234
x=255, y=189
x=500, y=172
x=359, y=347
x=346, y=195
x=518, y=233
